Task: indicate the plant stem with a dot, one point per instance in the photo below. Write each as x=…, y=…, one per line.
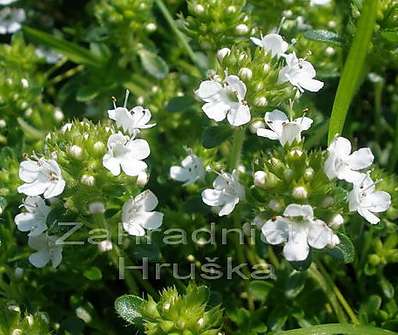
x=339, y=295
x=180, y=36
x=317, y=276
x=236, y=149
x=337, y=328
x=352, y=72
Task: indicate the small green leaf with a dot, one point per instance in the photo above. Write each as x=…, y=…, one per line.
x=387, y=287
x=180, y=104
x=324, y=36
x=214, y=136
x=344, y=251
x=153, y=64
x=390, y=35
x=86, y=93
x=295, y=284
x=128, y=307
x=70, y=50
x=260, y=289
x=29, y=130
x=93, y=273
x=302, y=265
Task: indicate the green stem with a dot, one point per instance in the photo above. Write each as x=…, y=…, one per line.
x=351, y=75
x=236, y=149
x=337, y=328
x=378, y=115
x=339, y=295
x=317, y=276
x=180, y=36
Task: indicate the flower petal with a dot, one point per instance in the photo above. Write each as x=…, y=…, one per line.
x=139, y=148
x=133, y=229
x=239, y=116
x=207, y=89
x=229, y=205
x=112, y=164
x=237, y=85
x=28, y=171
x=149, y=220
x=290, y=132
x=133, y=167
x=297, y=248
x=40, y=258
x=319, y=234
x=146, y=200
x=179, y=173
x=340, y=146
x=276, y=231
x=216, y=111
x=360, y=159
x=377, y=202
x=32, y=189
x=267, y=133
x=294, y=210
x=212, y=197
x=54, y=189
x=368, y=215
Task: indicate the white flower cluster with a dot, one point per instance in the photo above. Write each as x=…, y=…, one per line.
x=42, y=182
x=127, y=153
x=226, y=99
x=344, y=165
x=10, y=18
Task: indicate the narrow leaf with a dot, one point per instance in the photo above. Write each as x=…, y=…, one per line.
x=70, y=50
x=128, y=307
x=353, y=68
x=214, y=136
x=153, y=64
x=325, y=36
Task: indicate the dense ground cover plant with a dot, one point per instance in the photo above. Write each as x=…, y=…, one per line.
x=198, y=167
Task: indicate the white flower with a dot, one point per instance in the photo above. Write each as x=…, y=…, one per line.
x=299, y=230
x=50, y=56
x=11, y=19
x=225, y=100
x=271, y=43
x=282, y=129
x=47, y=250
x=127, y=154
x=226, y=194
x=342, y=164
x=35, y=217
x=6, y=2
x=299, y=73
x=222, y=53
x=138, y=214
x=190, y=171
x=319, y=2
x=131, y=121
x=41, y=177
x=366, y=200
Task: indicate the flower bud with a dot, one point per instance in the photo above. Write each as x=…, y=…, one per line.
x=76, y=151
x=142, y=179
x=87, y=180
x=374, y=260
x=327, y=202
x=266, y=67
x=150, y=27
x=96, y=207
x=140, y=100
x=58, y=115
x=255, y=125
x=265, y=180
x=288, y=174
x=309, y=174
x=335, y=241
x=24, y=83
x=16, y=332
x=222, y=53
x=3, y=123
x=242, y=29
x=336, y=221
x=231, y=9
x=105, y=246
x=295, y=154
x=330, y=51
x=245, y=73
x=300, y=193
x=261, y=101
x=191, y=258
x=275, y=205
x=198, y=9
x=99, y=146
x=18, y=272
x=30, y=320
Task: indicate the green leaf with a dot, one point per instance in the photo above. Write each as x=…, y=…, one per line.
x=390, y=36
x=70, y=50
x=387, y=287
x=153, y=64
x=93, y=273
x=86, y=93
x=344, y=251
x=180, y=104
x=214, y=136
x=129, y=308
x=302, y=265
x=351, y=75
x=295, y=284
x=324, y=36
x=29, y=130
x=260, y=289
